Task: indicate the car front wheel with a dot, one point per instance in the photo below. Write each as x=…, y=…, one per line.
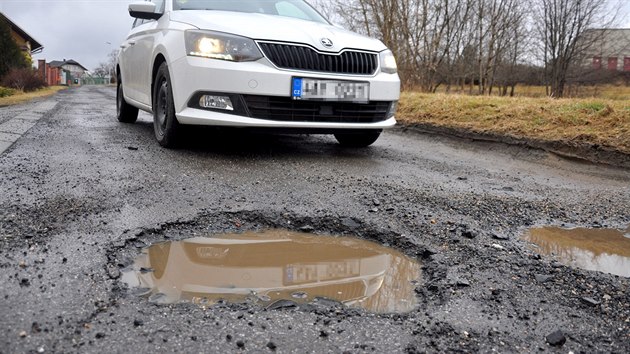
x=165, y=123
x=125, y=112
x=358, y=139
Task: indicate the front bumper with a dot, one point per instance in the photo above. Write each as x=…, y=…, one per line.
x=191, y=76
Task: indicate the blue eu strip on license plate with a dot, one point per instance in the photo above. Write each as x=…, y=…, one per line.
x=297, y=88
x=329, y=90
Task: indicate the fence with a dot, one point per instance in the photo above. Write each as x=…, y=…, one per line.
x=95, y=81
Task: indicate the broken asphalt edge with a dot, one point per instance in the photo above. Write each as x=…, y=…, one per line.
x=592, y=153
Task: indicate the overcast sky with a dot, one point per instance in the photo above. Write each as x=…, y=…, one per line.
x=86, y=30
x=72, y=29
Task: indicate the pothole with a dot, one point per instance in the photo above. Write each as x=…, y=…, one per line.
x=604, y=250
x=275, y=265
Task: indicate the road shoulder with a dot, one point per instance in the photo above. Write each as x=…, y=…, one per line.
x=571, y=149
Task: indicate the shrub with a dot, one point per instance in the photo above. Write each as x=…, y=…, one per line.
x=24, y=79
x=6, y=92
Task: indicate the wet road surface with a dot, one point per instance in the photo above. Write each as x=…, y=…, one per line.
x=82, y=195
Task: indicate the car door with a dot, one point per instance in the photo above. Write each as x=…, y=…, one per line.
x=136, y=55
x=124, y=61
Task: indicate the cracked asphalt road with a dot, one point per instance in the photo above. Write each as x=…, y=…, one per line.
x=81, y=194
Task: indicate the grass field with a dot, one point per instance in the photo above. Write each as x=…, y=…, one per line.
x=21, y=97
x=601, y=121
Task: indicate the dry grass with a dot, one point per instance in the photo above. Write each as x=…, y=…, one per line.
x=604, y=122
x=21, y=97
x=609, y=92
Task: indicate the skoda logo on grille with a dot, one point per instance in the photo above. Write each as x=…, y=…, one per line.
x=327, y=42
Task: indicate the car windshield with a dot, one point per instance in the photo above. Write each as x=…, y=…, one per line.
x=288, y=8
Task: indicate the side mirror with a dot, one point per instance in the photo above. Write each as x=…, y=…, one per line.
x=144, y=10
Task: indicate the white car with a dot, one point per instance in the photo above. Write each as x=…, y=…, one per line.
x=268, y=64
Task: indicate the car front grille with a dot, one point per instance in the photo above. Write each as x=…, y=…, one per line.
x=297, y=57
x=288, y=110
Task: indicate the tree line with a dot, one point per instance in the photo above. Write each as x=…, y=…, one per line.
x=479, y=46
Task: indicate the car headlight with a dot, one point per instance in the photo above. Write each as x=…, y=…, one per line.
x=221, y=46
x=388, y=62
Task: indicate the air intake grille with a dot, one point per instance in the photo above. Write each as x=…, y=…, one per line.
x=288, y=110
x=304, y=58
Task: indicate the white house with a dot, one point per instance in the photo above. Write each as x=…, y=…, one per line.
x=71, y=67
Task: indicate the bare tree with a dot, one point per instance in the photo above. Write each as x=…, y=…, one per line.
x=425, y=35
x=107, y=69
x=441, y=40
x=563, y=25
x=102, y=70
x=487, y=43
x=499, y=28
x=509, y=72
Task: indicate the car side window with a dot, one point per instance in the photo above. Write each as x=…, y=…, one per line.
x=287, y=9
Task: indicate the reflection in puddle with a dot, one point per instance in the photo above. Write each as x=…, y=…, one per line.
x=603, y=250
x=273, y=265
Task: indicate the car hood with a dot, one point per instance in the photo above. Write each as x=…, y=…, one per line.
x=277, y=28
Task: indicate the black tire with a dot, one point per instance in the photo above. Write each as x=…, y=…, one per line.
x=165, y=124
x=125, y=112
x=358, y=139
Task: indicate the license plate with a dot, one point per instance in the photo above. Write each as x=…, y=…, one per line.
x=312, y=273
x=330, y=90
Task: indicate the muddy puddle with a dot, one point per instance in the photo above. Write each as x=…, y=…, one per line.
x=604, y=250
x=274, y=265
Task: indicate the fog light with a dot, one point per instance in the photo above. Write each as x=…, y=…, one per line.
x=216, y=102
